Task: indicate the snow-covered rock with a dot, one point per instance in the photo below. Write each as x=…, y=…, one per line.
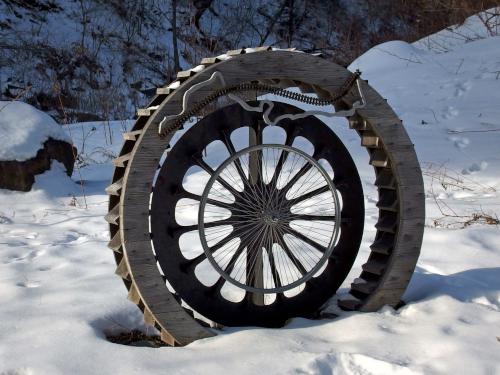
x=24, y=129
x=30, y=141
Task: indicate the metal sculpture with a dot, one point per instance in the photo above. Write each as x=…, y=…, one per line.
x=274, y=227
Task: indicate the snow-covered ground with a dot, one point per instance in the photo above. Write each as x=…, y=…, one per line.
x=59, y=295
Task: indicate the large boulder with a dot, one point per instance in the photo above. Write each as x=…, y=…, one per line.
x=29, y=141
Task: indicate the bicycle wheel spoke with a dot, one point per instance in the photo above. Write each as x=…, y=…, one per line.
x=261, y=217
x=303, y=238
x=310, y=217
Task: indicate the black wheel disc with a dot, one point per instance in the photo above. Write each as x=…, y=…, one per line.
x=170, y=231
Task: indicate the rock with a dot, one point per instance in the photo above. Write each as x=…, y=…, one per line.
x=20, y=175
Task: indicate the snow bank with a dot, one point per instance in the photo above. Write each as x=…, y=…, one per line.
x=396, y=54
x=473, y=28
x=24, y=129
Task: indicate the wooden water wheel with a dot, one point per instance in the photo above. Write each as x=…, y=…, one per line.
x=238, y=211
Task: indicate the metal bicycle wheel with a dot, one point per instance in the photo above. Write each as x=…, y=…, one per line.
x=279, y=218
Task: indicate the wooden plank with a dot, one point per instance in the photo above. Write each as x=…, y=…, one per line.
x=388, y=200
x=121, y=161
x=164, y=91
x=113, y=215
x=383, y=244
x=210, y=60
x=363, y=286
x=385, y=179
x=116, y=243
x=235, y=52
x=122, y=270
x=369, y=139
x=167, y=338
x=149, y=318
x=115, y=187
x=132, y=136
x=386, y=223
x=379, y=158
x=133, y=294
x=357, y=123
x=349, y=304
x=374, y=267
x=145, y=112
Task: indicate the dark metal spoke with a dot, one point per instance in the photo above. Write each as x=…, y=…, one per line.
x=189, y=228
x=307, y=167
x=230, y=147
x=220, y=180
x=307, y=217
x=272, y=264
x=214, y=202
x=296, y=262
x=308, y=195
x=303, y=238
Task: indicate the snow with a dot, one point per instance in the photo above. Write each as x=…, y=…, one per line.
x=24, y=129
x=60, y=295
x=473, y=28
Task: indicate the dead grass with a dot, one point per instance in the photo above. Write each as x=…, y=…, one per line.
x=136, y=338
x=448, y=180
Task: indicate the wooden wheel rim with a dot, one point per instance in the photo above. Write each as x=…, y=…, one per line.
x=401, y=197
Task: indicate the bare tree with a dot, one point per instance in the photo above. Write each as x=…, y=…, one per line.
x=174, y=36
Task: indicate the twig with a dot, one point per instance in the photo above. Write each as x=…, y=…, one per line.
x=459, y=66
x=19, y=96
x=450, y=131
x=65, y=119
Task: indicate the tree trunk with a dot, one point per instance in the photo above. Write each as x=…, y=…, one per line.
x=174, y=35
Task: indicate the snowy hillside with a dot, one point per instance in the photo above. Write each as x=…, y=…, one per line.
x=60, y=296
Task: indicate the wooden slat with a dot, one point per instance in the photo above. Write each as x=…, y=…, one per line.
x=258, y=49
x=145, y=112
x=369, y=139
x=185, y=74
x=132, y=136
x=122, y=270
x=113, y=216
x=210, y=60
x=167, y=338
x=164, y=91
x=379, y=158
x=133, y=294
x=121, y=161
x=385, y=179
x=374, y=267
x=383, y=244
x=236, y=52
x=358, y=124
x=388, y=200
x=115, y=187
x=349, y=304
x=386, y=223
x=116, y=243
x=363, y=286
x=149, y=318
